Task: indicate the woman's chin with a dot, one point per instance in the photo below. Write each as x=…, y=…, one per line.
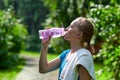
x=66, y=38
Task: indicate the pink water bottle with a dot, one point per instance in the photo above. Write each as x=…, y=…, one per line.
x=53, y=32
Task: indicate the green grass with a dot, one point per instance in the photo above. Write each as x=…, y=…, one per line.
x=30, y=53
x=37, y=55
x=10, y=74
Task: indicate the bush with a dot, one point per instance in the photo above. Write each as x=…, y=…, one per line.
x=107, y=28
x=12, y=37
x=58, y=45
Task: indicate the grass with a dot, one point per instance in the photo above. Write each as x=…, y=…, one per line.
x=30, y=53
x=10, y=74
x=37, y=54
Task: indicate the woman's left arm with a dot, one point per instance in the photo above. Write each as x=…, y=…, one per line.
x=83, y=73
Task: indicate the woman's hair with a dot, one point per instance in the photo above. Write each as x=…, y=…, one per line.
x=87, y=27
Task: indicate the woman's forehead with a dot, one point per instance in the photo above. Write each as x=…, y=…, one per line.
x=75, y=22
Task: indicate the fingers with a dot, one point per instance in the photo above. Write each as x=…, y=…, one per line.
x=46, y=39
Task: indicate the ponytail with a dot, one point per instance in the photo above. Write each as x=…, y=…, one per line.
x=89, y=47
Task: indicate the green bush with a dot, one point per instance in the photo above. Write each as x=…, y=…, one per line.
x=58, y=45
x=12, y=37
x=107, y=25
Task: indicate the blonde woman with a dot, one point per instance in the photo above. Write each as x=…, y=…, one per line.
x=75, y=63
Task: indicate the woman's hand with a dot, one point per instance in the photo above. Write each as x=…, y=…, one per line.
x=46, y=42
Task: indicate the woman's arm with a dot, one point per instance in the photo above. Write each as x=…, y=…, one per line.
x=44, y=65
x=83, y=73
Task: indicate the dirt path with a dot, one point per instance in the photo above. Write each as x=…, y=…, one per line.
x=31, y=72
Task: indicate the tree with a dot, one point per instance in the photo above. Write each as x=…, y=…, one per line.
x=107, y=28
x=12, y=38
x=32, y=14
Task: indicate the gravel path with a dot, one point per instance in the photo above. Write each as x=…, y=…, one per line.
x=31, y=72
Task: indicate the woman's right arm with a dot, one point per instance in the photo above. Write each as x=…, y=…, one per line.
x=44, y=65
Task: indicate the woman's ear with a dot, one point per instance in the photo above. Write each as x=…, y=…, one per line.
x=80, y=34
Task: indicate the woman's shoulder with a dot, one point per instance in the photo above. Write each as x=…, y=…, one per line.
x=84, y=52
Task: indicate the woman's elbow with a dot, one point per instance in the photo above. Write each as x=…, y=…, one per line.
x=42, y=71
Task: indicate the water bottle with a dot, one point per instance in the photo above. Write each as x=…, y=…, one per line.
x=53, y=32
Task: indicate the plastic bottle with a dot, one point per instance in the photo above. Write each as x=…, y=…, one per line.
x=53, y=32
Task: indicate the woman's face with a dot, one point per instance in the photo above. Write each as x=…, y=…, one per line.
x=72, y=31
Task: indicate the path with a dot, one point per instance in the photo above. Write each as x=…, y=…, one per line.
x=31, y=72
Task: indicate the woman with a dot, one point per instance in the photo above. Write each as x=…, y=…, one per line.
x=75, y=63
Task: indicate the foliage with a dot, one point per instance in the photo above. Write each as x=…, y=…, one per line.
x=32, y=13
x=58, y=45
x=67, y=10
x=107, y=28
x=10, y=74
x=12, y=37
x=64, y=11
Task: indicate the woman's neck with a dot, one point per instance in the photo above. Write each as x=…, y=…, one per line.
x=75, y=46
